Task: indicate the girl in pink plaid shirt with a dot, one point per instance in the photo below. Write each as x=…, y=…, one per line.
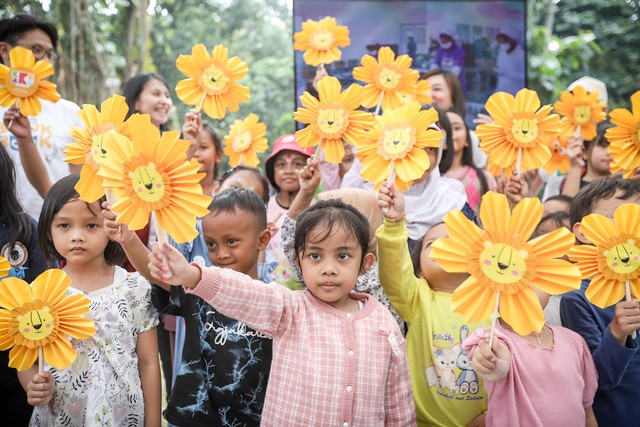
x=339, y=358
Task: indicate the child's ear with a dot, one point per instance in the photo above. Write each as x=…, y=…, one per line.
x=263, y=239
x=367, y=262
x=579, y=235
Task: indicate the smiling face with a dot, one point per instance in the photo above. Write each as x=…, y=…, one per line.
x=215, y=80
x=286, y=167
x=440, y=92
x=623, y=258
x=322, y=40
x=388, y=78
x=155, y=100
x=582, y=114
x=148, y=183
x=234, y=240
x=99, y=149
x=525, y=131
x=396, y=140
x=206, y=153
x=36, y=324
x=503, y=263
x=332, y=122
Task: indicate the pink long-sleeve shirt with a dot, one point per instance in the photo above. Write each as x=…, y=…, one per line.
x=329, y=367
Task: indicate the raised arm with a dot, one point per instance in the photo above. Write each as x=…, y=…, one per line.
x=32, y=163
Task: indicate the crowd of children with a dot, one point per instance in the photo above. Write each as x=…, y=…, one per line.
x=296, y=306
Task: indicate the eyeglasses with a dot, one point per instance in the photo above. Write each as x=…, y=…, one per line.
x=40, y=52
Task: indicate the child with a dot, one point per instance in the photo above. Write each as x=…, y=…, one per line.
x=365, y=202
x=596, y=160
x=476, y=181
x=282, y=168
x=116, y=377
x=339, y=357
x=546, y=378
x=445, y=387
x=208, y=153
x=19, y=245
x=607, y=331
x=224, y=365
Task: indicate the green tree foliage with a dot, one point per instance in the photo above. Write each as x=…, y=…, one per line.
x=587, y=37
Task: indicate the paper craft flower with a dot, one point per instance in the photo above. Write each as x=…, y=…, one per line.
x=518, y=124
x=614, y=257
x=500, y=259
x=90, y=148
x=5, y=266
x=398, y=139
x=559, y=161
x=332, y=118
x=320, y=41
x=386, y=79
x=153, y=175
x=41, y=315
x=245, y=140
x=498, y=171
x=581, y=109
x=422, y=94
x=624, y=138
x=212, y=80
x=24, y=81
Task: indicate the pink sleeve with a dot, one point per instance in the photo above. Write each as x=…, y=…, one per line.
x=589, y=374
x=264, y=307
x=330, y=173
x=399, y=404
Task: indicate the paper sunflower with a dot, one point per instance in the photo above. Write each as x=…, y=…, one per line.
x=41, y=315
x=90, y=148
x=398, y=140
x=518, y=124
x=559, y=161
x=153, y=175
x=614, y=257
x=581, y=109
x=332, y=118
x=500, y=259
x=24, y=82
x=245, y=140
x=624, y=138
x=5, y=266
x=212, y=80
x=498, y=171
x=320, y=40
x=386, y=79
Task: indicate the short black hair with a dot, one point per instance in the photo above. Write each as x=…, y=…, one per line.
x=61, y=193
x=600, y=189
x=600, y=139
x=558, y=218
x=328, y=216
x=255, y=172
x=134, y=87
x=560, y=198
x=235, y=199
x=12, y=29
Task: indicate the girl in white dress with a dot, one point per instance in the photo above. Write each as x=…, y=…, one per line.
x=115, y=379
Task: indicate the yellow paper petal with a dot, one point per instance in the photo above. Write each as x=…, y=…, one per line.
x=522, y=311
x=14, y=292
x=60, y=354
x=51, y=286
x=627, y=219
x=5, y=266
x=474, y=302
x=557, y=276
x=554, y=244
x=494, y=211
x=597, y=228
x=586, y=257
x=22, y=357
x=603, y=292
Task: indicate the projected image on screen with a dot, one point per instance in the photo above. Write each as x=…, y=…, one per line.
x=482, y=42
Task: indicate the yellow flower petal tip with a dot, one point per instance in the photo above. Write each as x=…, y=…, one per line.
x=581, y=110
x=41, y=315
x=519, y=125
x=389, y=80
x=398, y=140
x=616, y=257
x=502, y=259
x=23, y=83
x=5, y=266
x=90, y=146
x=332, y=119
x=152, y=174
x=212, y=80
x=321, y=41
x=245, y=140
x=624, y=138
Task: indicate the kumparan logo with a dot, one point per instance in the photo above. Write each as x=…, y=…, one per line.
x=22, y=78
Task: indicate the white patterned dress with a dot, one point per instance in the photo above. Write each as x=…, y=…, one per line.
x=102, y=387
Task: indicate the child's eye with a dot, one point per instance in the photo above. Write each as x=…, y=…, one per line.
x=211, y=244
x=232, y=242
x=314, y=256
x=344, y=257
x=91, y=226
x=65, y=226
